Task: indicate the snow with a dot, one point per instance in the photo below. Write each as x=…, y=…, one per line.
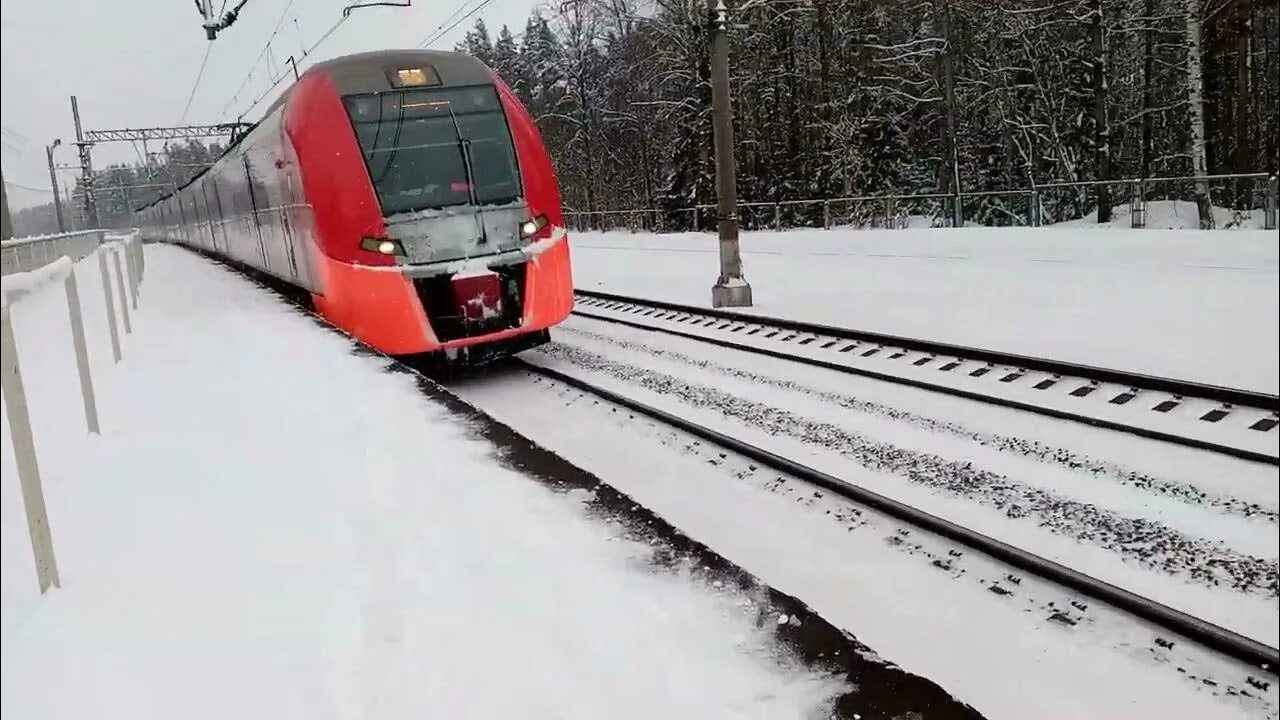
x=1173, y=215
x=271, y=521
x=16, y=285
x=476, y=269
x=534, y=249
x=1198, y=305
x=1148, y=531
x=971, y=624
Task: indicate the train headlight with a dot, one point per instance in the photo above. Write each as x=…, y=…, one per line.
x=529, y=228
x=382, y=246
x=414, y=77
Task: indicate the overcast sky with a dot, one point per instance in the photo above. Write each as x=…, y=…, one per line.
x=132, y=63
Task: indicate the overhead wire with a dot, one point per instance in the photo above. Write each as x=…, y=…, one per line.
x=441, y=33
x=208, y=50
x=515, y=37
x=456, y=11
x=265, y=48
x=11, y=183
x=305, y=53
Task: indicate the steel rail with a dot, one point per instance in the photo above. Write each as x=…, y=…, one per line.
x=1203, y=632
x=1182, y=388
x=1174, y=386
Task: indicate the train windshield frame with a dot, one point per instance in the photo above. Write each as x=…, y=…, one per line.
x=427, y=148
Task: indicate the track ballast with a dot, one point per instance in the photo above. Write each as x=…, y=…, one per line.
x=1194, y=629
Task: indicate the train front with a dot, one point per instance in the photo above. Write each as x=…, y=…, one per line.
x=469, y=213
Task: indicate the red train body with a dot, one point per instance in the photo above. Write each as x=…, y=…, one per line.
x=408, y=191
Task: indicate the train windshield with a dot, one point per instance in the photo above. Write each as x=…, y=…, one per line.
x=436, y=147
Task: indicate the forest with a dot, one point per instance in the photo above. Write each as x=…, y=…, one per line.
x=856, y=98
x=118, y=189
x=840, y=98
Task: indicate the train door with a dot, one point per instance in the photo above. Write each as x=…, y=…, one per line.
x=284, y=207
x=266, y=215
x=194, y=234
x=298, y=218
x=217, y=216
x=207, y=215
x=179, y=231
x=254, y=228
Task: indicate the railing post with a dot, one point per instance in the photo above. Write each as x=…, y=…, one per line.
x=24, y=456
x=697, y=219
x=1033, y=208
x=777, y=216
x=131, y=273
x=124, y=290
x=1137, y=205
x=1272, y=204
x=111, y=308
x=131, y=262
x=826, y=214
x=137, y=254
x=889, y=213
x=82, y=352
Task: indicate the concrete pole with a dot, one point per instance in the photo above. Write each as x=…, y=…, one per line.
x=6, y=225
x=86, y=167
x=53, y=183
x=731, y=288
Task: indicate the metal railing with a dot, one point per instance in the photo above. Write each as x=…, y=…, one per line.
x=51, y=258
x=29, y=253
x=1041, y=204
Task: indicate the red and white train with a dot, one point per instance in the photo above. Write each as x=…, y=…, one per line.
x=408, y=191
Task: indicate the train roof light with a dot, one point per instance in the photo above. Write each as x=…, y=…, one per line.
x=415, y=77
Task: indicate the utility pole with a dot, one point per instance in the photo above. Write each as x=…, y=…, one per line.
x=731, y=288
x=86, y=168
x=6, y=227
x=53, y=184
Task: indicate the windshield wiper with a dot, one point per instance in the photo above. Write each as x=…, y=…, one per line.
x=464, y=148
x=395, y=139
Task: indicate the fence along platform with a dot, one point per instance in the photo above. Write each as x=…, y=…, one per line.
x=30, y=264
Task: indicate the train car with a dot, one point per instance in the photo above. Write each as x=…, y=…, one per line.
x=408, y=191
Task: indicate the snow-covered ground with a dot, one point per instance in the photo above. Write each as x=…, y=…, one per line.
x=274, y=526
x=1192, y=529
x=1162, y=522
x=1198, y=305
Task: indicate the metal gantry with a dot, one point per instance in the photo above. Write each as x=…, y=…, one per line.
x=86, y=139
x=165, y=133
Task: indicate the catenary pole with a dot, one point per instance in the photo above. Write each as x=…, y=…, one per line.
x=731, y=288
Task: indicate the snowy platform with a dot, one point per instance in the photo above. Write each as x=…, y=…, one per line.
x=1196, y=305
x=272, y=520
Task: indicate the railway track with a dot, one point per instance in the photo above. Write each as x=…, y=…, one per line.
x=1193, y=629
x=1198, y=632
x=1234, y=422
